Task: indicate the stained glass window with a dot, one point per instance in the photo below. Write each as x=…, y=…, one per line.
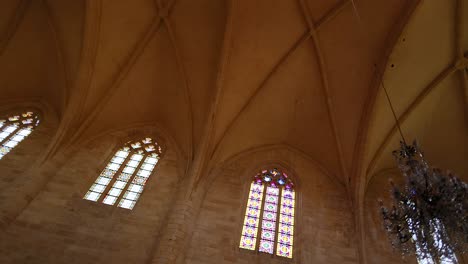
x=124, y=178
x=14, y=129
x=269, y=215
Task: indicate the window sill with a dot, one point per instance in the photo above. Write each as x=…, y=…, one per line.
x=79, y=204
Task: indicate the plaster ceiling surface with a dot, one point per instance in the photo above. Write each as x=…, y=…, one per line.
x=121, y=28
x=283, y=95
x=152, y=91
x=19, y=58
x=427, y=91
x=6, y=12
x=253, y=72
x=33, y=65
x=171, y=78
x=351, y=47
x=66, y=19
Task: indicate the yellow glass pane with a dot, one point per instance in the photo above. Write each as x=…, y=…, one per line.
x=284, y=250
x=249, y=231
x=250, y=221
x=253, y=204
x=247, y=243
x=285, y=239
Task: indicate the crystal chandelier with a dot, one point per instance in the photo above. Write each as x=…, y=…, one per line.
x=429, y=215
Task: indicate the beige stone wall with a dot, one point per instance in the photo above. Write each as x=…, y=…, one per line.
x=168, y=225
x=19, y=177
x=58, y=226
x=378, y=246
x=324, y=223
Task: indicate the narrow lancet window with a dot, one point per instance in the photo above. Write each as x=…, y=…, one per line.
x=14, y=129
x=269, y=215
x=123, y=179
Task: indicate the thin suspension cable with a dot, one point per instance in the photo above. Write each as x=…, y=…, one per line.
x=393, y=110
x=397, y=122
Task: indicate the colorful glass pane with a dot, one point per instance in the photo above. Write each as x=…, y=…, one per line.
x=286, y=219
x=254, y=212
x=285, y=239
x=284, y=250
x=251, y=219
x=254, y=204
x=269, y=216
x=255, y=196
x=266, y=246
x=275, y=208
x=269, y=220
x=249, y=231
x=286, y=224
x=248, y=242
x=286, y=228
x=268, y=225
x=268, y=235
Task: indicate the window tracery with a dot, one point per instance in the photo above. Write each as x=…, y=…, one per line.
x=269, y=215
x=15, y=129
x=134, y=164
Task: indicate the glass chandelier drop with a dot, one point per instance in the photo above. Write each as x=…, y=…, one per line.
x=429, y=215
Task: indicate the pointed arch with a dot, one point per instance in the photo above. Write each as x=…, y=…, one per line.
x=123, y=180
x=15, y=129
x=269, y=215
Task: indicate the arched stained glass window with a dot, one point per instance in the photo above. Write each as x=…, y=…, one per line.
x=125, y=176
x=269, y=215
x=14, y=129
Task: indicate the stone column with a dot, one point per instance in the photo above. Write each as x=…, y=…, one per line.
x=176, y=233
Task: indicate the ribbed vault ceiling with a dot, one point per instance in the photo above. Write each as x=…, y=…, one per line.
x=221, y=77
x=426, y=80
x=224, y=77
